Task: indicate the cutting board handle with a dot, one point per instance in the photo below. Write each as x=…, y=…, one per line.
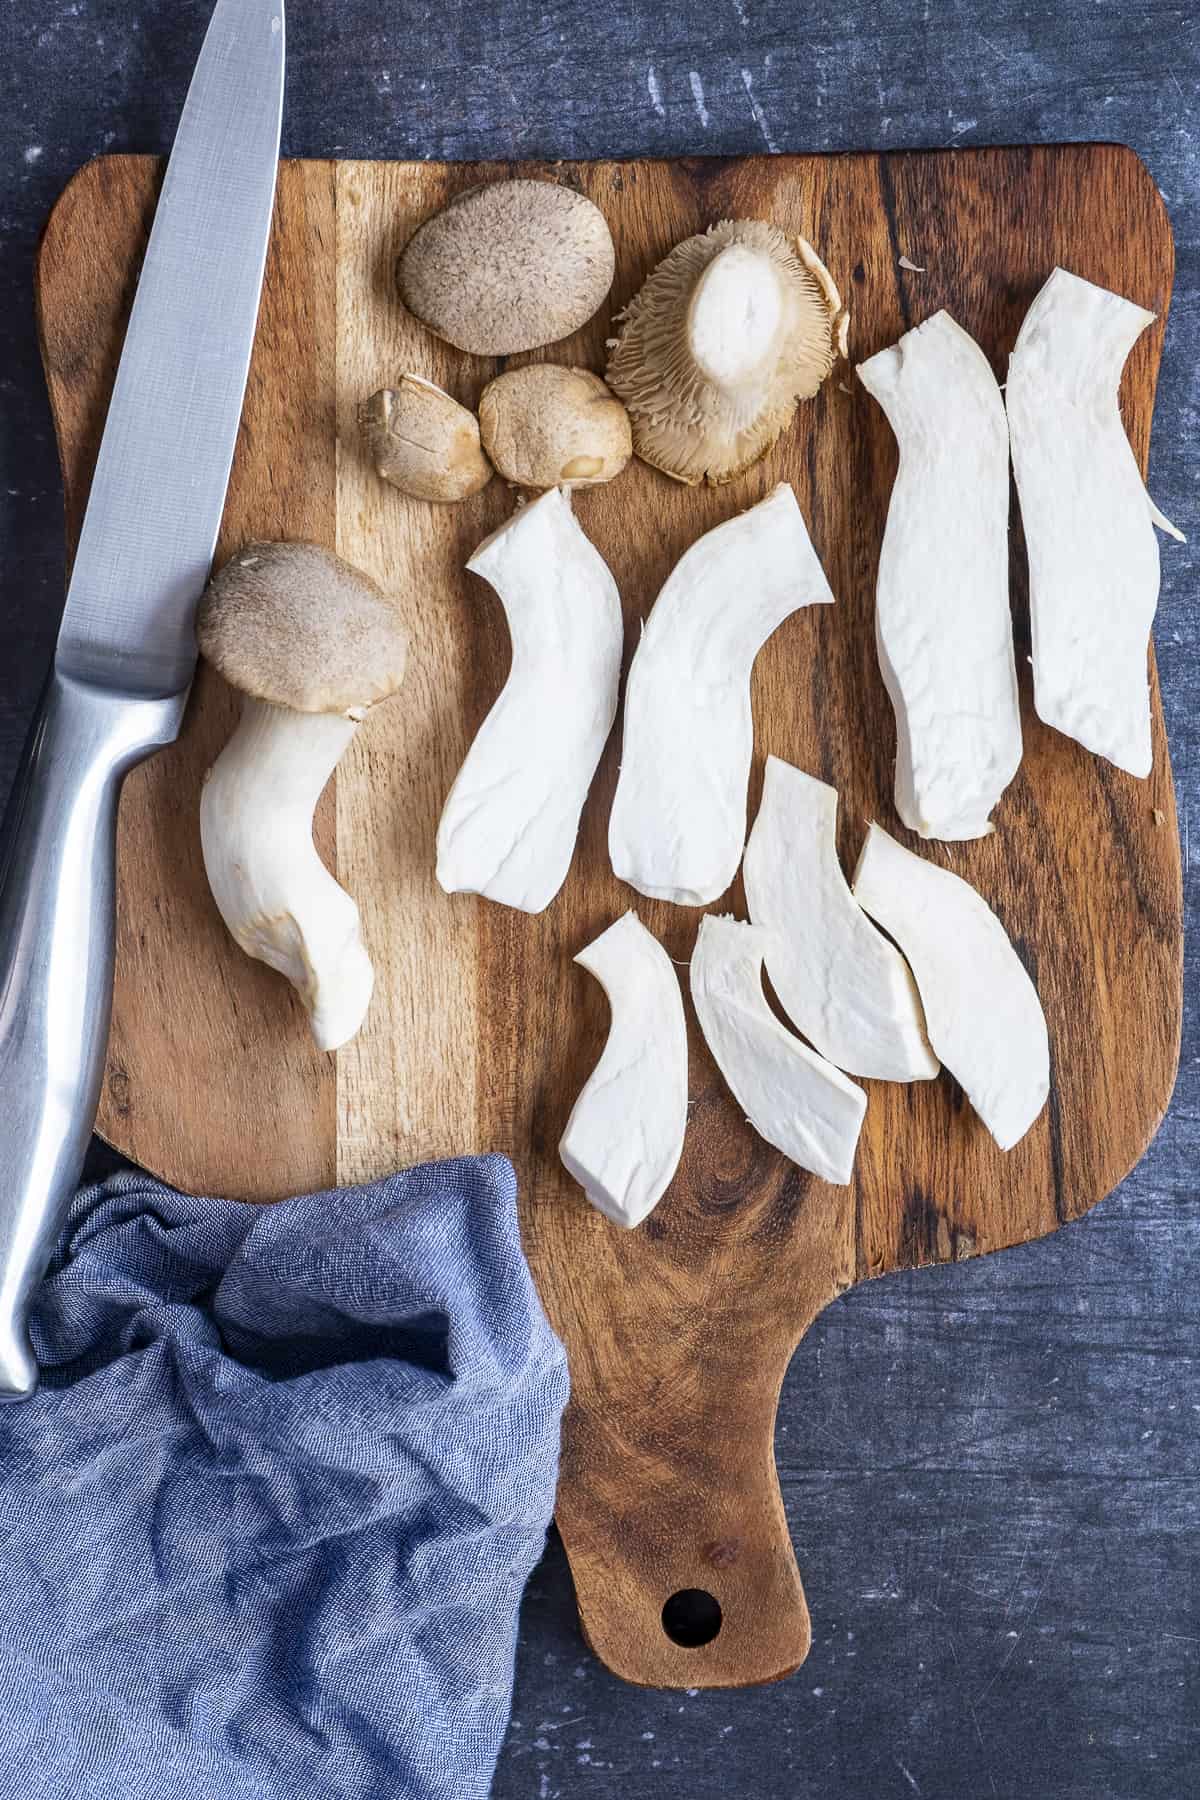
x=695, y=1584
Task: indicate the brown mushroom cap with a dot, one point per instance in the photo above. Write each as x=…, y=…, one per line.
x=294, y=625
x=423, y=442
x=686, y=420
x=547, y=426
x=508, y=266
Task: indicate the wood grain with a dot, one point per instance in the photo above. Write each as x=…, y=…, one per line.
x=482, y=1030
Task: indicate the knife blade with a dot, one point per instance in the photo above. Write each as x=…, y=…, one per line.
x=126, y=647
x=159, y=488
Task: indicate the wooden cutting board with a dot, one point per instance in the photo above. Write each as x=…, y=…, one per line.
x=482, y=1031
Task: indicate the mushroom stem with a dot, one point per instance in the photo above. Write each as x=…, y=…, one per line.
x=274, y=893
x=734, y=316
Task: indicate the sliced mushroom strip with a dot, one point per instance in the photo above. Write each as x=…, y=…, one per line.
x=981, y=1009
x=839, y=980
x=678, y=821
x=509, y=826
x=793, y=1098
x=625, y=1135
x=942, y=621
x=312, y=644
x=1089, y=522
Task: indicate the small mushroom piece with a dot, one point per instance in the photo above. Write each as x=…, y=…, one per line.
x=312, y=644
x=838, y=979
x=625, y=1135
x=793, y=1098
x=731, y=329
x=423, y=441
x=545, y=426
x=508, y=266
x=982, y=1011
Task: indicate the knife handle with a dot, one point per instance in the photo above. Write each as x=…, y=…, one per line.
x=57, y=903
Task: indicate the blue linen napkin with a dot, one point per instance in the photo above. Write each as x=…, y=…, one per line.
x=265, y=1526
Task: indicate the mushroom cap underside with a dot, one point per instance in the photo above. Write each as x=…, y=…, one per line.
x=727, y=334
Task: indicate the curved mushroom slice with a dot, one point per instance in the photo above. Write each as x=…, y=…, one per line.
x=679, y=817
x=840, y=982
x=981, y=1010
x=509, y=826
x=942, y=621
x=1089, y=522
x=794, y=1098
x=625, y=1135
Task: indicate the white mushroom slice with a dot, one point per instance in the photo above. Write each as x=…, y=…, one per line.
x=625, y=1135
x=679, y=817
x=981, y=1009
x=942, y=621
x=509, y=826
x=839, y=980
x=793, y=1098
x=1089, y=522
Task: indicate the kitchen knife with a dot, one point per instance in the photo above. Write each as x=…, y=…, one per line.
x=126, y=648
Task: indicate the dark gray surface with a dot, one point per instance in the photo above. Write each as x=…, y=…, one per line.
x=992, y=1472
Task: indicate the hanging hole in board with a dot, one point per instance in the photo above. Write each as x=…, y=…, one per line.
x=692, y=1617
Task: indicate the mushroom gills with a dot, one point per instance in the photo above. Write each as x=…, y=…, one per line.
x=509, y=825
x=678, y=821
x=624, y=1137
x=794, y=1099
x=982, y=1011
x=942, y=622
x=726, y=335
x=838, y=979
x=1089, y=522
x=278, y=900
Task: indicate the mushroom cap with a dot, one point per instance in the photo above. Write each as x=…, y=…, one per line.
x=547, y=426
x=731, y=329
x=508, y=266
x=423, y=442
x=294, y=625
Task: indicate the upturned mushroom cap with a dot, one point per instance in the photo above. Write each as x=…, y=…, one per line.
x=508, y=266
x=729, y=331
x=546, y=426
x=294, y=625
x=423, y=442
